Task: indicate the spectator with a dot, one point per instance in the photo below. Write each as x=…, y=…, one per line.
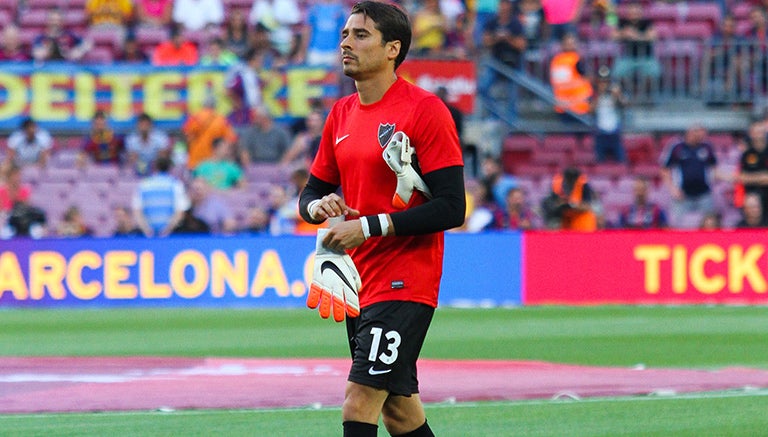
x=176, y=51
x=306, y=142
x=201, y=128
x=723, y=58
x=160, y=201
x=259, y=40
x=483, y=12
x=131, y=52
x=102, y=145
x=72, y=224
x=218, y=55
x=642, y=213
x=711, y=221
x=688, y=168
x=571, y=205
x=57, y=43
x=753, y=167
x=481, y=208
x=324, y=22
x=637, y=61
x=10, y=45
x=299, y=179
x=430, y=27
x=561, y=16
x=191, y=225
x=12, y=190
x=154, y=13
x=607, y=105
x=458, y=36
x=257, y=221
x=757, y=33
x=29, y=144
x=208, y=206
x=470, y=150
x=498, y=182
x=264, y=141
x=517, y=215
x=503, y=41
x=282, y=211
x=221, y=171
x=198, y=14
x=278, y=17
x=26, y=220
x=572, y=89
x=244, y=88
x=752, y=213
x=114, y=15
x=125, y=226
x=236, y=33
x=531, y=16
x=145, y=145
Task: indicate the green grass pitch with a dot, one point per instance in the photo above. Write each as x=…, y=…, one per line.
x=687, y=336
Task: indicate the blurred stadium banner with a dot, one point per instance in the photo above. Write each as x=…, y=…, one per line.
x=218, y=271
x=645, y=267
x=64, y=96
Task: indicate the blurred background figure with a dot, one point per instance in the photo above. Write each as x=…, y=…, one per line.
x=607, y=105
x=208, y=206
x=73, y=225
x=430, y=28
x=145, y=144
x=256, y=221
x=125, y=226
x=160, y=201
x=102, y=145
x=11, y=48
x=642, y=213
x=264, y=140
x=571, y=205
x=752, y=215
x=154, y=13
x=324, y=22
x=201, y=128
x=56, y=43
x=177, y=50
x=198, y=15
x=220, y=171
x=29, y=144
x=517, y=215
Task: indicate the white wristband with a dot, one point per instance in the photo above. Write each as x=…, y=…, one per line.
x=311, y=208
x=384, y=224
x=366, y=228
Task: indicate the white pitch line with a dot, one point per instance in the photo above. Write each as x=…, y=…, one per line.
x=510, y=403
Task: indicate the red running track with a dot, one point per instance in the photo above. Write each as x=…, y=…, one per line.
x=70, y=384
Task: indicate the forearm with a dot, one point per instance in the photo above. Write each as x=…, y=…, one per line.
x=314, y=190
x=444, y=211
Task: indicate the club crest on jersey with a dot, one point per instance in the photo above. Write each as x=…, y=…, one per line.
x=385, y=133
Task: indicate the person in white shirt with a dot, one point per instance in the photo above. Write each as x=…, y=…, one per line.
x=29, y=144
x=198, y=14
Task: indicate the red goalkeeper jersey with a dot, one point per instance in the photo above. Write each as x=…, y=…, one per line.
x=350, y=154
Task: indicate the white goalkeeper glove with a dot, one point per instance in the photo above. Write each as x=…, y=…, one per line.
x=397, y=155
x=335, y=283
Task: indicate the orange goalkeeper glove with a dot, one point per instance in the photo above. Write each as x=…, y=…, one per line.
x=335, y=283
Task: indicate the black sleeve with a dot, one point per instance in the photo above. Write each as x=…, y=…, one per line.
x=444, y=211
x=315, y=189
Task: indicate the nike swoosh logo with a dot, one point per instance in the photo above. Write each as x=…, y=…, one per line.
x=373, y=372
x=340, y=139
x=329, y=265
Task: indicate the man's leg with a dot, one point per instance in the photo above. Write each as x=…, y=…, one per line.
x=362, y=406
x=405, y=416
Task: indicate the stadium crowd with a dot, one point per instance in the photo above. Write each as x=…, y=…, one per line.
x=227, y=174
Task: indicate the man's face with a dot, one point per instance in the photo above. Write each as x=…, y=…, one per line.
x=362, y=52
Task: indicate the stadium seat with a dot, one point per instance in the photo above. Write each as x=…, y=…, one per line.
x=45, y=4
x=704, y=12
x=99, y=55
x=76, y=20
x=9, y=6
x=697, y=30
x=740, y=10
x=33, y=20
x=149, y=37
x=105, y=38
x=102, y=173
x=662, y=12
x=5, y=18
x=62, y=175
x=560, y=143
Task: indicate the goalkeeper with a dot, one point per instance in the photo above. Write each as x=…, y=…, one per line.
x=393, y=150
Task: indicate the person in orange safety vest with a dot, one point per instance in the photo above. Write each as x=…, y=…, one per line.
x=571, y=88
x=570, y=203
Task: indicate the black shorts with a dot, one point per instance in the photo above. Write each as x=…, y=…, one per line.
x=395, y=330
